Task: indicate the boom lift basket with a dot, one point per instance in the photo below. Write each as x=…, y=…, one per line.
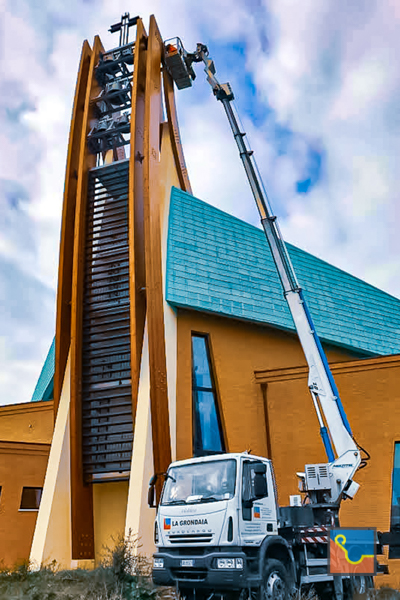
x=178, y=64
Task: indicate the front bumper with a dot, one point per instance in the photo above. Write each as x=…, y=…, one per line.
x=204, y=572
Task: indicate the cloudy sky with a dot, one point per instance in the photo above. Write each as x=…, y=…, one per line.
x=317, y=85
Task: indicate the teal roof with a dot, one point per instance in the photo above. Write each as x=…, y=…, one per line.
x=220, y=264
x=44, y=387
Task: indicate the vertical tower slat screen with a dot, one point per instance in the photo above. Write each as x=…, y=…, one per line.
x=107, y=427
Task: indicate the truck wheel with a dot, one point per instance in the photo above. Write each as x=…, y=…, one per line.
x=359, y=586
x=275, y=584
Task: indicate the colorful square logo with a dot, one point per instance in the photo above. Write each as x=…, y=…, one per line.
x=257, y=512
x=352, y=551
x=167, y=524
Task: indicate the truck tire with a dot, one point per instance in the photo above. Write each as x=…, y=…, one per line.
x=358, y=586
x=275, y=585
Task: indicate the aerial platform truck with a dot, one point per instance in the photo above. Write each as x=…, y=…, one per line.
x=219, y=529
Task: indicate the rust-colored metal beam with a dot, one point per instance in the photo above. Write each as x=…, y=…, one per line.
x=136, y=215
x=81, y=493
x=64, y=291
x=153, y=257
x=173, y=127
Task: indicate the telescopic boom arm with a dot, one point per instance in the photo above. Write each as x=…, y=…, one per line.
x=335, y=430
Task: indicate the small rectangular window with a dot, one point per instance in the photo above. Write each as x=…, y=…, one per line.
x=394, y=551
x=30, y=499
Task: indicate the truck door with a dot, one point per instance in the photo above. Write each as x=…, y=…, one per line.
x=257, y=511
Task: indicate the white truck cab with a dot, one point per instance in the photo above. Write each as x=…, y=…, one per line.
x=214, y=516
x=220, y=500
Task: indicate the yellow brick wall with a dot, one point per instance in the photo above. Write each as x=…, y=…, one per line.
x=370, y=392
x=27, y=422
x=25, y=436
x=238, y=349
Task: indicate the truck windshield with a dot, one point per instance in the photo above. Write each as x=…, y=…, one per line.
x=201, y=482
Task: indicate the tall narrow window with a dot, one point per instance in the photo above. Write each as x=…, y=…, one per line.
x=208, y=438
x=394, y=551
x=30, y=499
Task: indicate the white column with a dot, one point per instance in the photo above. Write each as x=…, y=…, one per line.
x=139, y=517
x=52, y=537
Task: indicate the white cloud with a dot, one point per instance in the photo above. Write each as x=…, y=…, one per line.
x=330, y=76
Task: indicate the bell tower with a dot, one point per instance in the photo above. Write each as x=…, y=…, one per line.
x=114, y=385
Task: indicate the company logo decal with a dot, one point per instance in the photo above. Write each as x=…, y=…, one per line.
x=352, y=551
x=257, y=512
x=168, y=523
x=191, y=522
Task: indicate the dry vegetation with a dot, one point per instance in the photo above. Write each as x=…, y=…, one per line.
x=123, y=574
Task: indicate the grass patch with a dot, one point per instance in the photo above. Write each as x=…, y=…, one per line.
x=122, y=575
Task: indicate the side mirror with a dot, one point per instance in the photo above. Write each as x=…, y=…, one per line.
x=153, y=480
x=151, y=492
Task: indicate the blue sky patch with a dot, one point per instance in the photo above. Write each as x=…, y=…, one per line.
x=13, y=192
x=313, y=172
x=232, y=61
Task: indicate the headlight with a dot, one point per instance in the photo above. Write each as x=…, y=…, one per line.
x=230, y=563
x=225, y=563
x=158, y=563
